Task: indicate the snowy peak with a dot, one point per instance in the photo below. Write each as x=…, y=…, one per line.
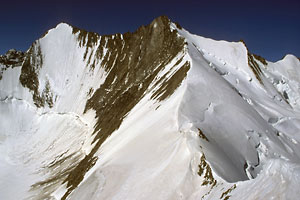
x=158, y=111
x=60, y=28
x=132, y=62
x=108, y=75
x=290, y=59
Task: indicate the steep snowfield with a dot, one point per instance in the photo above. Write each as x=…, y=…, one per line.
x=155, y=114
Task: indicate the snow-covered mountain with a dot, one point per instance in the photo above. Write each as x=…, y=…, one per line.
x=155, y=114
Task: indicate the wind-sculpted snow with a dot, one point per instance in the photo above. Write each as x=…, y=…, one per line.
x=154, y=114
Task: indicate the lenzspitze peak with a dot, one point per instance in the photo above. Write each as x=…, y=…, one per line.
x=155, y=113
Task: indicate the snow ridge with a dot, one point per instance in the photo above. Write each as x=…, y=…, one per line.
x=156, y=112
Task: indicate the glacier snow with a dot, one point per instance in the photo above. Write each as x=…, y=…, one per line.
x=229, y=130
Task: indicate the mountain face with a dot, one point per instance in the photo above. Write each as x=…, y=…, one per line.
x=159, y=113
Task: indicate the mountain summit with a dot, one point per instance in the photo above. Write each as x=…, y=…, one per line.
x=159, y=113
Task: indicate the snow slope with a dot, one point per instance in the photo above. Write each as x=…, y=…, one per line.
x=155, y=114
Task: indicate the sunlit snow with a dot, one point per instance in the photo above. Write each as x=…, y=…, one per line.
x=251, y=128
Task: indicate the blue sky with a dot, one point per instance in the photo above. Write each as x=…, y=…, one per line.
x=269, y=28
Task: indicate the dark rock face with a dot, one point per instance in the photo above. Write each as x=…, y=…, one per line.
x=255, y=67
x=261, y=59
x=133, y=60
x=252, y=63
x=12, y=58
x=31, y=66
